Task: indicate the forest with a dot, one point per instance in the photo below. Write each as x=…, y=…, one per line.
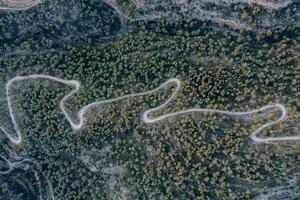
x=117, y=156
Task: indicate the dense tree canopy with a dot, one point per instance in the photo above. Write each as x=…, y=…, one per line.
x=115, y=155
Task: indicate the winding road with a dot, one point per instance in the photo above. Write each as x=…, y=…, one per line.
x=15, y=5
x=12, y=165
x=145, y=116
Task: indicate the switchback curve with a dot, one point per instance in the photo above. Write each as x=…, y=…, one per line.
x=145, y=117
x=15, y=5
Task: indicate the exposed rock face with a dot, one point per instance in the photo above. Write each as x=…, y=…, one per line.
x=256, y=15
